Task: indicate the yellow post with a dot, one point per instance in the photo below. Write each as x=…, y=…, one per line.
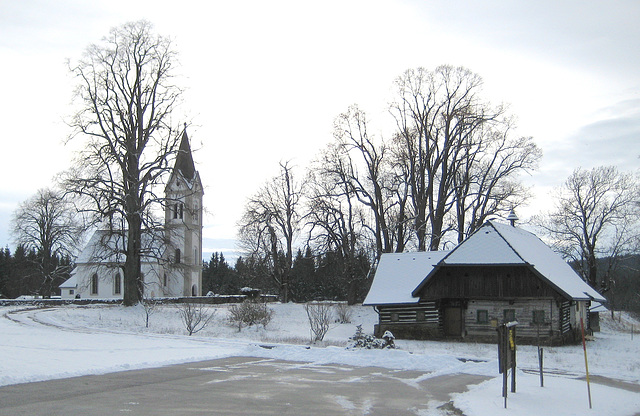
x=584, y=347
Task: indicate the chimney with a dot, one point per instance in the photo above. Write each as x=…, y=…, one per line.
x=512, y=217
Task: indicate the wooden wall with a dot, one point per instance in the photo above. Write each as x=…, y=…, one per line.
x=523, y=309
x=489, y=282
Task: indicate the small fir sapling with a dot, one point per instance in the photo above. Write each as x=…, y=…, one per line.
x=362, y=340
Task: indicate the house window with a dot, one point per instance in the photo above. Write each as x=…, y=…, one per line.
x=538, y=317
x=482, y=316
x=420, y=316
x=395, y=317
x=509, y=315
x=177, y=256
x=117, y=284
x=94, y=284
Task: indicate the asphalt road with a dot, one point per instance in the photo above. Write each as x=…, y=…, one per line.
x=237, y=386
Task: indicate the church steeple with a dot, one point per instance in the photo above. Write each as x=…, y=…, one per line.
x=184, y=159
x=183, y=224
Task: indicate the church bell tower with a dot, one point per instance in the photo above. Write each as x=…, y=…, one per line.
x=183, y=226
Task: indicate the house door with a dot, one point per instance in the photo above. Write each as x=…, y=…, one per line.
x=452, y=322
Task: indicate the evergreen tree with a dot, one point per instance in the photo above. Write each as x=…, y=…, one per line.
x=218, y=277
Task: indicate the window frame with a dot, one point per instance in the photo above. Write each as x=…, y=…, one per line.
x=482, y=316
x=94, y=284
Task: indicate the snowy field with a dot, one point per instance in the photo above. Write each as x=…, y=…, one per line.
x=43, y=344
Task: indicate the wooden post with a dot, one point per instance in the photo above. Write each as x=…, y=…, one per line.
x=541, y=363
x=540, y=358
x=584, y=347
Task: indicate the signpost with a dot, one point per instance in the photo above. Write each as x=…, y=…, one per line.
x=507, y=356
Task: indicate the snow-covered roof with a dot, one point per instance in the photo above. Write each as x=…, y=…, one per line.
x=70, y=283
x=106, y=247
x=496, y=243
x=398, y=274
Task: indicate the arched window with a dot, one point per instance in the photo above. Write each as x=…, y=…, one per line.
x=94, y=284
x=194, y=290
x=177, y=258
x=165, y=281
x=117, y=284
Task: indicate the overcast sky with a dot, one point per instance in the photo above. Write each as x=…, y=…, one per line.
x=266, y=79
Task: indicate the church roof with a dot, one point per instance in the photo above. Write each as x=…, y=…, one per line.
x=184, y=160
x=106, y=247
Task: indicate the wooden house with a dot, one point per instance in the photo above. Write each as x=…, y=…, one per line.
x=499, y=274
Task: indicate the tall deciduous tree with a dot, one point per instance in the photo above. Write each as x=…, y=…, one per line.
x=271, y=223
x=363, y=164
x=596, y=215
x=126, y=95
x=48, y=225
x=440, y=117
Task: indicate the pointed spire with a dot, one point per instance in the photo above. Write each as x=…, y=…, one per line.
x=184, y=160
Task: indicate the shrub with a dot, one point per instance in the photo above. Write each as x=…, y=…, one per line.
x=250, y=313
x=343, y=313
x=319, y=315
x=362, y=340
x=195, y=317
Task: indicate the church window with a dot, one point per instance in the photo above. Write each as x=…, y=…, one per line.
x=164, y=280
x=94, y=284
x=117, y=284
x=178, y=211
x=177, y=258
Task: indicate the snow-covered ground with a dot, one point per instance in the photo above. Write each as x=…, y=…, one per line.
x=43, y=344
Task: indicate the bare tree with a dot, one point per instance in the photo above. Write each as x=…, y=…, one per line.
x=363, y=164
x=596, y=215
x=335, y=217
x=437, y=115
x=48, y=224
x=485, y=180
x=270, y=224
x=126, y=96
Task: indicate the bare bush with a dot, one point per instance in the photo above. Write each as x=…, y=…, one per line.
x=320, y=317
x=195, y=317
x=149, y=306
x=250, y=313
x=343, y=313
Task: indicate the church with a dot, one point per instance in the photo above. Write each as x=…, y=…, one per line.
x=172, y=263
